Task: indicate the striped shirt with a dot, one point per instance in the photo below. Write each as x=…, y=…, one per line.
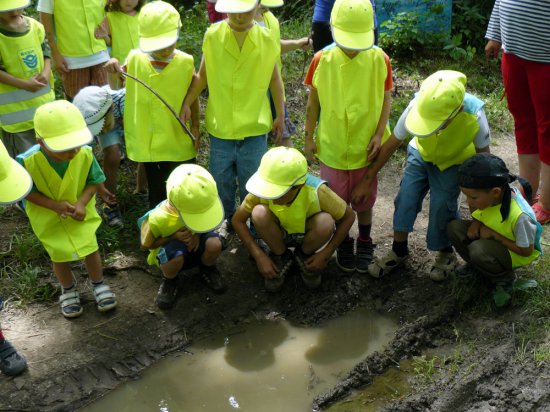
x=523, y=28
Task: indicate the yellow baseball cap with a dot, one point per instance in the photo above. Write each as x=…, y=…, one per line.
x=235, y=6
x=9, y=5
x=15, y=182
x=272, y=3
x=193, y=192
x=440, y=97
x=280, y=169
x=61, y=125
x=352, y=24
x=159, y=26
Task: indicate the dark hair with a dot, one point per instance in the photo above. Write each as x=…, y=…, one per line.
x=484, y=171
x=114, y=5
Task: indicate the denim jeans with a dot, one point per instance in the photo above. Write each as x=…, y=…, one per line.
x=419, y=178
x=232, y=163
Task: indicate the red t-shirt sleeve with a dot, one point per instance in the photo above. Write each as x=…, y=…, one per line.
x=308, y=81
x=388, y=84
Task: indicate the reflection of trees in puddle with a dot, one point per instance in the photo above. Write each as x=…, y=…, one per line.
x=344, y=338
x=253, y=350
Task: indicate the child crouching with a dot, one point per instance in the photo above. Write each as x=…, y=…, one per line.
x=504, y=233
x=61, y=204
x=179, y=232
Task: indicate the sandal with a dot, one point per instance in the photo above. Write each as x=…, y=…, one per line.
x=105, y=298
x=445, y=263
x=70, y=304
x=12, y=363
x=542, y=215
x=382, y=266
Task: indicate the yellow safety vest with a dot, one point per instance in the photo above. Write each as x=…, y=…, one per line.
x=163, y=220
x=238, y=81
x=65, y=240
x=75, y=24
x=351, y=95
x=454, y=144
x=492, y=218
x=272, y=23
x=152, y=132
x=124, y=34
x=22, y=57
x=293, y=217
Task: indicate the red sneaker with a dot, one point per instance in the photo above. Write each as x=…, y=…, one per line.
x=542, y=215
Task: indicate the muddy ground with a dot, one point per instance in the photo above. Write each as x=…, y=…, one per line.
x=73, y=362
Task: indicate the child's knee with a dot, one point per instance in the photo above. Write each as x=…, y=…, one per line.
x=261, y=214
x=323, y=225
x=213, y=246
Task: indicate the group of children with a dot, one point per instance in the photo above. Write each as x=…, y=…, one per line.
x=279, y=201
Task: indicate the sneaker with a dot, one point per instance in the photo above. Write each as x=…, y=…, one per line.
x=12, y=363
x=312, y=280
x=167, y=293
x=212, y=278
x=112, y=216
x=345, y=259
x=386, y=264
x=542, y=215
x=284, y=264
x=444, y=264
x=364, y=255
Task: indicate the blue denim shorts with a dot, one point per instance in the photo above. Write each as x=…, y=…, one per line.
x=112, y=137
x=175, y=248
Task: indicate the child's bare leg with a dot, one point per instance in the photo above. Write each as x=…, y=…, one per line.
x=319, y=230
x=63, y=274
x=213, y=248
x=104, y=297
x=70, y=300
x=141, y=179
x=111, y=164
x=171, y=268
x=267, y=226
x=94, y=267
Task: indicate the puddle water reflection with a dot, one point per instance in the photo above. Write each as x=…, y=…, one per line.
x=267, y=366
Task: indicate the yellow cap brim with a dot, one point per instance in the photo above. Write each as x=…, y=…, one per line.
x=15, y=181
x=272, y=3
x=265, y=189
x=353, y=41
x=205, y=221
x=235, y=6
x=152, y=44
x=14, y=5
x=419, y=126
x=69, y=141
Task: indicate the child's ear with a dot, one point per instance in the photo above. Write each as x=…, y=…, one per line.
x=496, y=192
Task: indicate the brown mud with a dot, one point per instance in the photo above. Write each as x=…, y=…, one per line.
x=72, y=363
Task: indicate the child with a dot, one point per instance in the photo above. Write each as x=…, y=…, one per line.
x=104, y=119
x=15, y=184
x=61, y=205
x=120, y=27
x=503, y=233
x=213, y=15
x=239, y=64
x=449, y=126
x=180, y=231
x=290, y=207
x=350, y=84
x=26, y=81
x=264, y=17
x=153, y=135
x=70, y=29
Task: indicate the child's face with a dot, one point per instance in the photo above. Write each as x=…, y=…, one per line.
x=288, y=197
x=163, y=54
x=10, y=18
x=59, y=156
x=127, y=6
x=482, y=199
x=350, y=53
x=241, y=21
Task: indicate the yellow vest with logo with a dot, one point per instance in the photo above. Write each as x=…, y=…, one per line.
x=238, y=81
x=454, y=144
x=492, y=218
x=273, y=25
x=165, y=221
x=75, y=24
x=22, y=57
x=65, y=240
x=124, y=34
x=152, y=132
x=351, y=95
x=293, y=217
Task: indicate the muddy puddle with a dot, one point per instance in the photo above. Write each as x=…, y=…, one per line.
x=267, y=365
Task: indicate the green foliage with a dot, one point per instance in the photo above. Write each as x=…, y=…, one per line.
x=457, y=52
x=194, y=24
x=26, y=283
x=469, y=21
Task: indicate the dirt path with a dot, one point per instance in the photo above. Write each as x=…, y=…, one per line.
x=74, y=362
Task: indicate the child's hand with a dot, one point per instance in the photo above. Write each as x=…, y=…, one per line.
x=79, y=212
x=101, y=33
x=183, y=235
x=266, y=267
x=317, y=262
x=112, y=66
x=277, y=130
x=64, y=209
x=473, y=232
x=361, y=192
x=374, y=147
x=185, y=113
x=106, y=195
x=34, y=84
x=60, y=63
x=486, y=233
x=310, y=148
x=306, y=43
